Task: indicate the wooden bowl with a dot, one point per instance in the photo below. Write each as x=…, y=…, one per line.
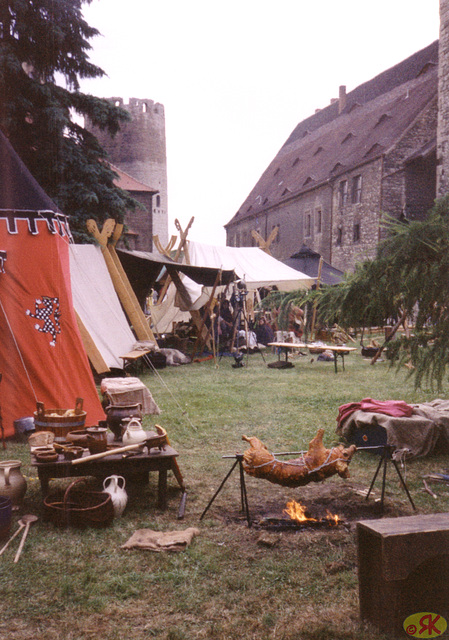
x=47, y=456
x=72, y=453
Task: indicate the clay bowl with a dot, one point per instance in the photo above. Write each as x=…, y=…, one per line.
x=72, y=453
x=46, y=456
x=78, y=438
x=39, y=450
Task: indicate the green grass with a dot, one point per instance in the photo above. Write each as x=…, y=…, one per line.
x=233, y=580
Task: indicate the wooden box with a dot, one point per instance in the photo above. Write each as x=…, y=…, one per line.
x=403, y=569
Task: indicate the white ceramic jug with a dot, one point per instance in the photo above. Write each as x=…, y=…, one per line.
x=115, y=486
x=134, y=433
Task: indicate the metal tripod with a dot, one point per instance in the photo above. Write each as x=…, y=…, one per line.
x=386, y=456
x=243, y=496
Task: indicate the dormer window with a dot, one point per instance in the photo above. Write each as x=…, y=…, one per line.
x=383, y=118
x=347, y=138
x=319, y=150
x=295, y=162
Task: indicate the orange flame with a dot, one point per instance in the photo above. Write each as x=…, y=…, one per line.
x=333, y=518
x=297, y=512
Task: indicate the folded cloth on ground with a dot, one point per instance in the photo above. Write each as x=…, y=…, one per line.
x=161, y=540
x=396, y=408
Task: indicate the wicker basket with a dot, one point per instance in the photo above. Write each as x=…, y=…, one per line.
x=79, y=507
x=57, y=422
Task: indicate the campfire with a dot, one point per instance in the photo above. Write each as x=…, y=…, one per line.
x=299, y=518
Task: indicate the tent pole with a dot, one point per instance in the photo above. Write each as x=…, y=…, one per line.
x=120, y=280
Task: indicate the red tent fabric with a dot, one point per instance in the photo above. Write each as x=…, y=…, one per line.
x=42, y=357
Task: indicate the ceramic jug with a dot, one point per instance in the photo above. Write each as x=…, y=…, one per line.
x=12, y=483
x=134, y=433
x=115, y=486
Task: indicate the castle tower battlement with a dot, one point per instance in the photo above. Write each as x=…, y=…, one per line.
x=139, y=149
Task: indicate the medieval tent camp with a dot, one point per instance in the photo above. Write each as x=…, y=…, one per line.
x=42, y=358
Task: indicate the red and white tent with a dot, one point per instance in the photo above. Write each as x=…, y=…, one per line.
x=42, y=357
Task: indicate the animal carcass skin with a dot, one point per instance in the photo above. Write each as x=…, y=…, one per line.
x=316, y=465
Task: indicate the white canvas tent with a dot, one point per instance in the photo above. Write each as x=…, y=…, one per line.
x=97, y=305
x=251, y=264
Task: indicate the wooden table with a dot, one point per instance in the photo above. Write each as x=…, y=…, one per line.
x=138, y=464
x=340, y=350
x=285, y=347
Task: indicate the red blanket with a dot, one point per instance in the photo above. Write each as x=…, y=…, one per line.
x=396, y=408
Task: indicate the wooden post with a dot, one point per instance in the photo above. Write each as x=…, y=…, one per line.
x=265, y=244
x=181, y=246
x=119, y=278
x=315, y=304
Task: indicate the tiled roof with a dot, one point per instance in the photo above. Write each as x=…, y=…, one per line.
x=128, y=183
x=327, y=144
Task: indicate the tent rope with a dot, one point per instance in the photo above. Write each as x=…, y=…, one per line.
x=164, y=384
x=18, y=350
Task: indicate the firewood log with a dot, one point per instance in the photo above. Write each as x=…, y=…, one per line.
x=316, y=465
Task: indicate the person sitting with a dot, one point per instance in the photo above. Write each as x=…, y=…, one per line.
x=264, y=333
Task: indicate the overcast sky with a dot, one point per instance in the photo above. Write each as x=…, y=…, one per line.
x=236, y=77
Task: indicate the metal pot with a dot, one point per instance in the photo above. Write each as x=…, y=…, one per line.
x=118, y=413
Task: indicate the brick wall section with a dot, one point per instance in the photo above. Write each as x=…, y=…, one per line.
x=443, y=109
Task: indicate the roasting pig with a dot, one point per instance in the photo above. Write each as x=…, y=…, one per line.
x=316, y=465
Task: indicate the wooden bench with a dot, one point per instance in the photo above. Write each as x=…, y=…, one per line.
x=134, y=356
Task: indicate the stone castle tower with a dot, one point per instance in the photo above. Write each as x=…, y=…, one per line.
x=139, y=150
x=443, y=103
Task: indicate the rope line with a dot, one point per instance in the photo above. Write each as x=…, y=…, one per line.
x=301, y=463
x=18, y=350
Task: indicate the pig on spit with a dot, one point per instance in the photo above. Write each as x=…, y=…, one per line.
x=316, y=465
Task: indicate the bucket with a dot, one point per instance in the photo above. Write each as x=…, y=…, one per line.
x=23, y=427
x=5, y=516
x=60, y=421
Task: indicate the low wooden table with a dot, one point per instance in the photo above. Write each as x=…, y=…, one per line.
x=285, y=347
x=140, y=463
x=341, y=351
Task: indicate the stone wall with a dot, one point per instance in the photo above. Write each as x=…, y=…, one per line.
x=355, y=225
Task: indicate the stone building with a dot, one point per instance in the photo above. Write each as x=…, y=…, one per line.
x=138, y=153
x=369, y=153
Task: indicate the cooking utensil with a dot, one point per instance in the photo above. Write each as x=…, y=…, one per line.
x=27, y=519
x=21, y=526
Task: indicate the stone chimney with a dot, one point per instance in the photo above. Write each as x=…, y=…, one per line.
x=443, y=103
x=341, y=98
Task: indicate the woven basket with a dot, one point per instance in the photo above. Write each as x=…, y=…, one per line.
x=79, y=507
x=57, y=422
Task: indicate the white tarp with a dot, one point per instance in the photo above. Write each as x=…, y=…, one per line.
x=251, y=264
x=97, y=304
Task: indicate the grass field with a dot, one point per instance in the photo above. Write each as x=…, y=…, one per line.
x=233, y=581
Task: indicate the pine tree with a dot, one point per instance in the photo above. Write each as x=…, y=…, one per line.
x=44, y=47
x=410, y=278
